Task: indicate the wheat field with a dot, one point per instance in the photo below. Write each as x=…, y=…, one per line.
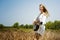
x=27, y=34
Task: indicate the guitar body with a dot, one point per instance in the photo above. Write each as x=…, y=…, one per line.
x=36, y=25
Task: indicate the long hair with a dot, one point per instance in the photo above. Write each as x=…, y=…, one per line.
x=44, y=10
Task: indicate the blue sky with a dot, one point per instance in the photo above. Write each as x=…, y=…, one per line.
x=24, y=11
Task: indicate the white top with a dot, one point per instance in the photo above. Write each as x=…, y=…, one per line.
x=42, y=18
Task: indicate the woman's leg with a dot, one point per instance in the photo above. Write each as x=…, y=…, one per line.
x=37, y=36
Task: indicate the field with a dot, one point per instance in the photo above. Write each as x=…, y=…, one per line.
x=27, y=34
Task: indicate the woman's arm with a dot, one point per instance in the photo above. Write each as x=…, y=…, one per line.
x=36, y=22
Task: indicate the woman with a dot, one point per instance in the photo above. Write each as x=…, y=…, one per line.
x=39, y=22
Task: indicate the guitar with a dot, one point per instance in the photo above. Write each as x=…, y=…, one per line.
x=36, y=23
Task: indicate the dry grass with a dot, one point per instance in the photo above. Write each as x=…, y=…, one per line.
x=28, y=34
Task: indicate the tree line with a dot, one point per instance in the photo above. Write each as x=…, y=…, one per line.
x=16, y=25
x=53, y=25
x=49, y=25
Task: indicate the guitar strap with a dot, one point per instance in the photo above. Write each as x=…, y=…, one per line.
x=38, y=17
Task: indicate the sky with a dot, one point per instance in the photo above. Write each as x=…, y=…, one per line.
x=24, y=11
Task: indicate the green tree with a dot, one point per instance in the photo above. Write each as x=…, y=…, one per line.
x=26, y=26
x=31, y=26
x=57, y=24
x=49, y=25
x=53, y=25
x=16, y=25
x=22, y=26
x=1, y=25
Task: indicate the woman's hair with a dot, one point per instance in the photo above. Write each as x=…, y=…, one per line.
x=44, y=10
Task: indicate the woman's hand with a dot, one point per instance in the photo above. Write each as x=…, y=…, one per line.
x=36, y=22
